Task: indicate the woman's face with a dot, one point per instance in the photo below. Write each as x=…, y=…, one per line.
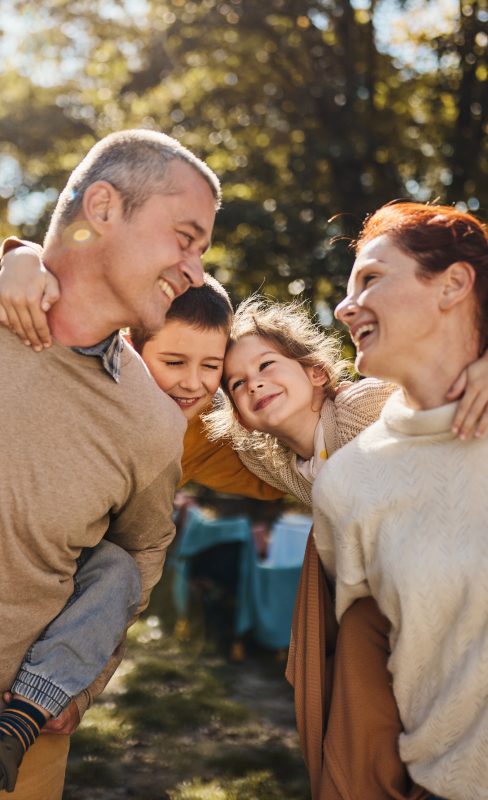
x=392, y=313
x=271, y=392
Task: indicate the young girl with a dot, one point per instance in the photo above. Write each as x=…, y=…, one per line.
x=285, y=409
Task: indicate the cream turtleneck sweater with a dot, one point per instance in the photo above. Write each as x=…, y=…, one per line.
x=355, y=406
x=401, y=514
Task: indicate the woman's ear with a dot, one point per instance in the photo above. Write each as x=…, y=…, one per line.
x=458, y=281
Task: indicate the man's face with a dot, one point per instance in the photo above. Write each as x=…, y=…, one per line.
x=155, y=255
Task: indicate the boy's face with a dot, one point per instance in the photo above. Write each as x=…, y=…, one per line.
x=186, y=362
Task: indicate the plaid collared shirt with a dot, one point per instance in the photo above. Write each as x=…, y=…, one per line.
x=109, y=350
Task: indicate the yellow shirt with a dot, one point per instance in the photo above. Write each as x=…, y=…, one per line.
x=217, y=466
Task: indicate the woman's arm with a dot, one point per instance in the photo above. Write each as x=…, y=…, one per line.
x=27, y=292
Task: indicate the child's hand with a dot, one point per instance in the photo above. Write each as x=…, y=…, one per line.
x=472, y=415
x=27, y=291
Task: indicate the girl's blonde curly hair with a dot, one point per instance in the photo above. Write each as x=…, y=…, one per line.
x=289, y=328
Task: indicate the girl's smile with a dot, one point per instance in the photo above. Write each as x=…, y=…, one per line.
x=273, y=393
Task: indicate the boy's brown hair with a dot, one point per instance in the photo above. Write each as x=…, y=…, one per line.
x=207, y=307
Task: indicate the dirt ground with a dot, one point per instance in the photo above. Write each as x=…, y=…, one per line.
x=179, y=721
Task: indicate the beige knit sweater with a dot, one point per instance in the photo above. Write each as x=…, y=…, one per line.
x=81, y=457
x=353, y=409
x=402, y=514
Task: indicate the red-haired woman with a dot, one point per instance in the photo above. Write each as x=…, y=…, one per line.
x=401, y=511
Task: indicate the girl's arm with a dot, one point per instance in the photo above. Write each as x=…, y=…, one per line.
x=472, y=389
x=27, y=292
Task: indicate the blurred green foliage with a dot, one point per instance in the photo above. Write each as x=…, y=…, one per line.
x=312, y=112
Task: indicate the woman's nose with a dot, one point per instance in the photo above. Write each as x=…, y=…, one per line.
x=346, y=309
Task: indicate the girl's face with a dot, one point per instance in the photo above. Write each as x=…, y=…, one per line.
x=271, y=392
x=392, y=313
x=186, y=363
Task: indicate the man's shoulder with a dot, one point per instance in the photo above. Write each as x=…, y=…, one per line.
x=145, y=396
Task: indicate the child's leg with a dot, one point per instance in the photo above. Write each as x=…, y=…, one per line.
x=72, y=650
x=77, y=644
x=347, y=717
x=361, y=756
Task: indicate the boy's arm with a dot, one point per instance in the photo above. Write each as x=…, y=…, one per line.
x=217, y=466
x=27, y=291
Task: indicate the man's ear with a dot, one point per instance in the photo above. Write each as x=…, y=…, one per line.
x=101, y=204
x=458, y=281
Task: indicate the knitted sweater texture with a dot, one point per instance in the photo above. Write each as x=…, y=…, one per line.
x=354, y=408
x=81, y=458
x=216, y=464
x=401, y=515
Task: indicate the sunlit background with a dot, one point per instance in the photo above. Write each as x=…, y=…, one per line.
x=313, y=113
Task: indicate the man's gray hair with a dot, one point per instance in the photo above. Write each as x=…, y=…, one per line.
x=135, y=163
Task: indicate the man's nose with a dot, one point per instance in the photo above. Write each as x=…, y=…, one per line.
x=256, y=383
x=192, y=269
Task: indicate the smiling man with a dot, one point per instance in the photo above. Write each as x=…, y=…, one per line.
x=102, y=460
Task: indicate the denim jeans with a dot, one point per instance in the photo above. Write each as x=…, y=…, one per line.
x=77, y=644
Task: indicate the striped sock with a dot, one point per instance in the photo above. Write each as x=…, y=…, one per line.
x=22, y=720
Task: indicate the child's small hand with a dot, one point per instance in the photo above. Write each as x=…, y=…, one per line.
x=27, y=292
x=472, y=387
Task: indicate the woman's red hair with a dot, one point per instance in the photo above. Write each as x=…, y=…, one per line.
x=435, y=236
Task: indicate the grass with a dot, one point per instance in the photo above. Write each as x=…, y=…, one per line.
x=179, y=722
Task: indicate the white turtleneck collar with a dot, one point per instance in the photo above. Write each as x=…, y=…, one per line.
x=398, y=417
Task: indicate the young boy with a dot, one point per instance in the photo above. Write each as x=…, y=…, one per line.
x=186, y=360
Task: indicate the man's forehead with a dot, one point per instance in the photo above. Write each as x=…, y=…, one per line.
x=181, y=176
